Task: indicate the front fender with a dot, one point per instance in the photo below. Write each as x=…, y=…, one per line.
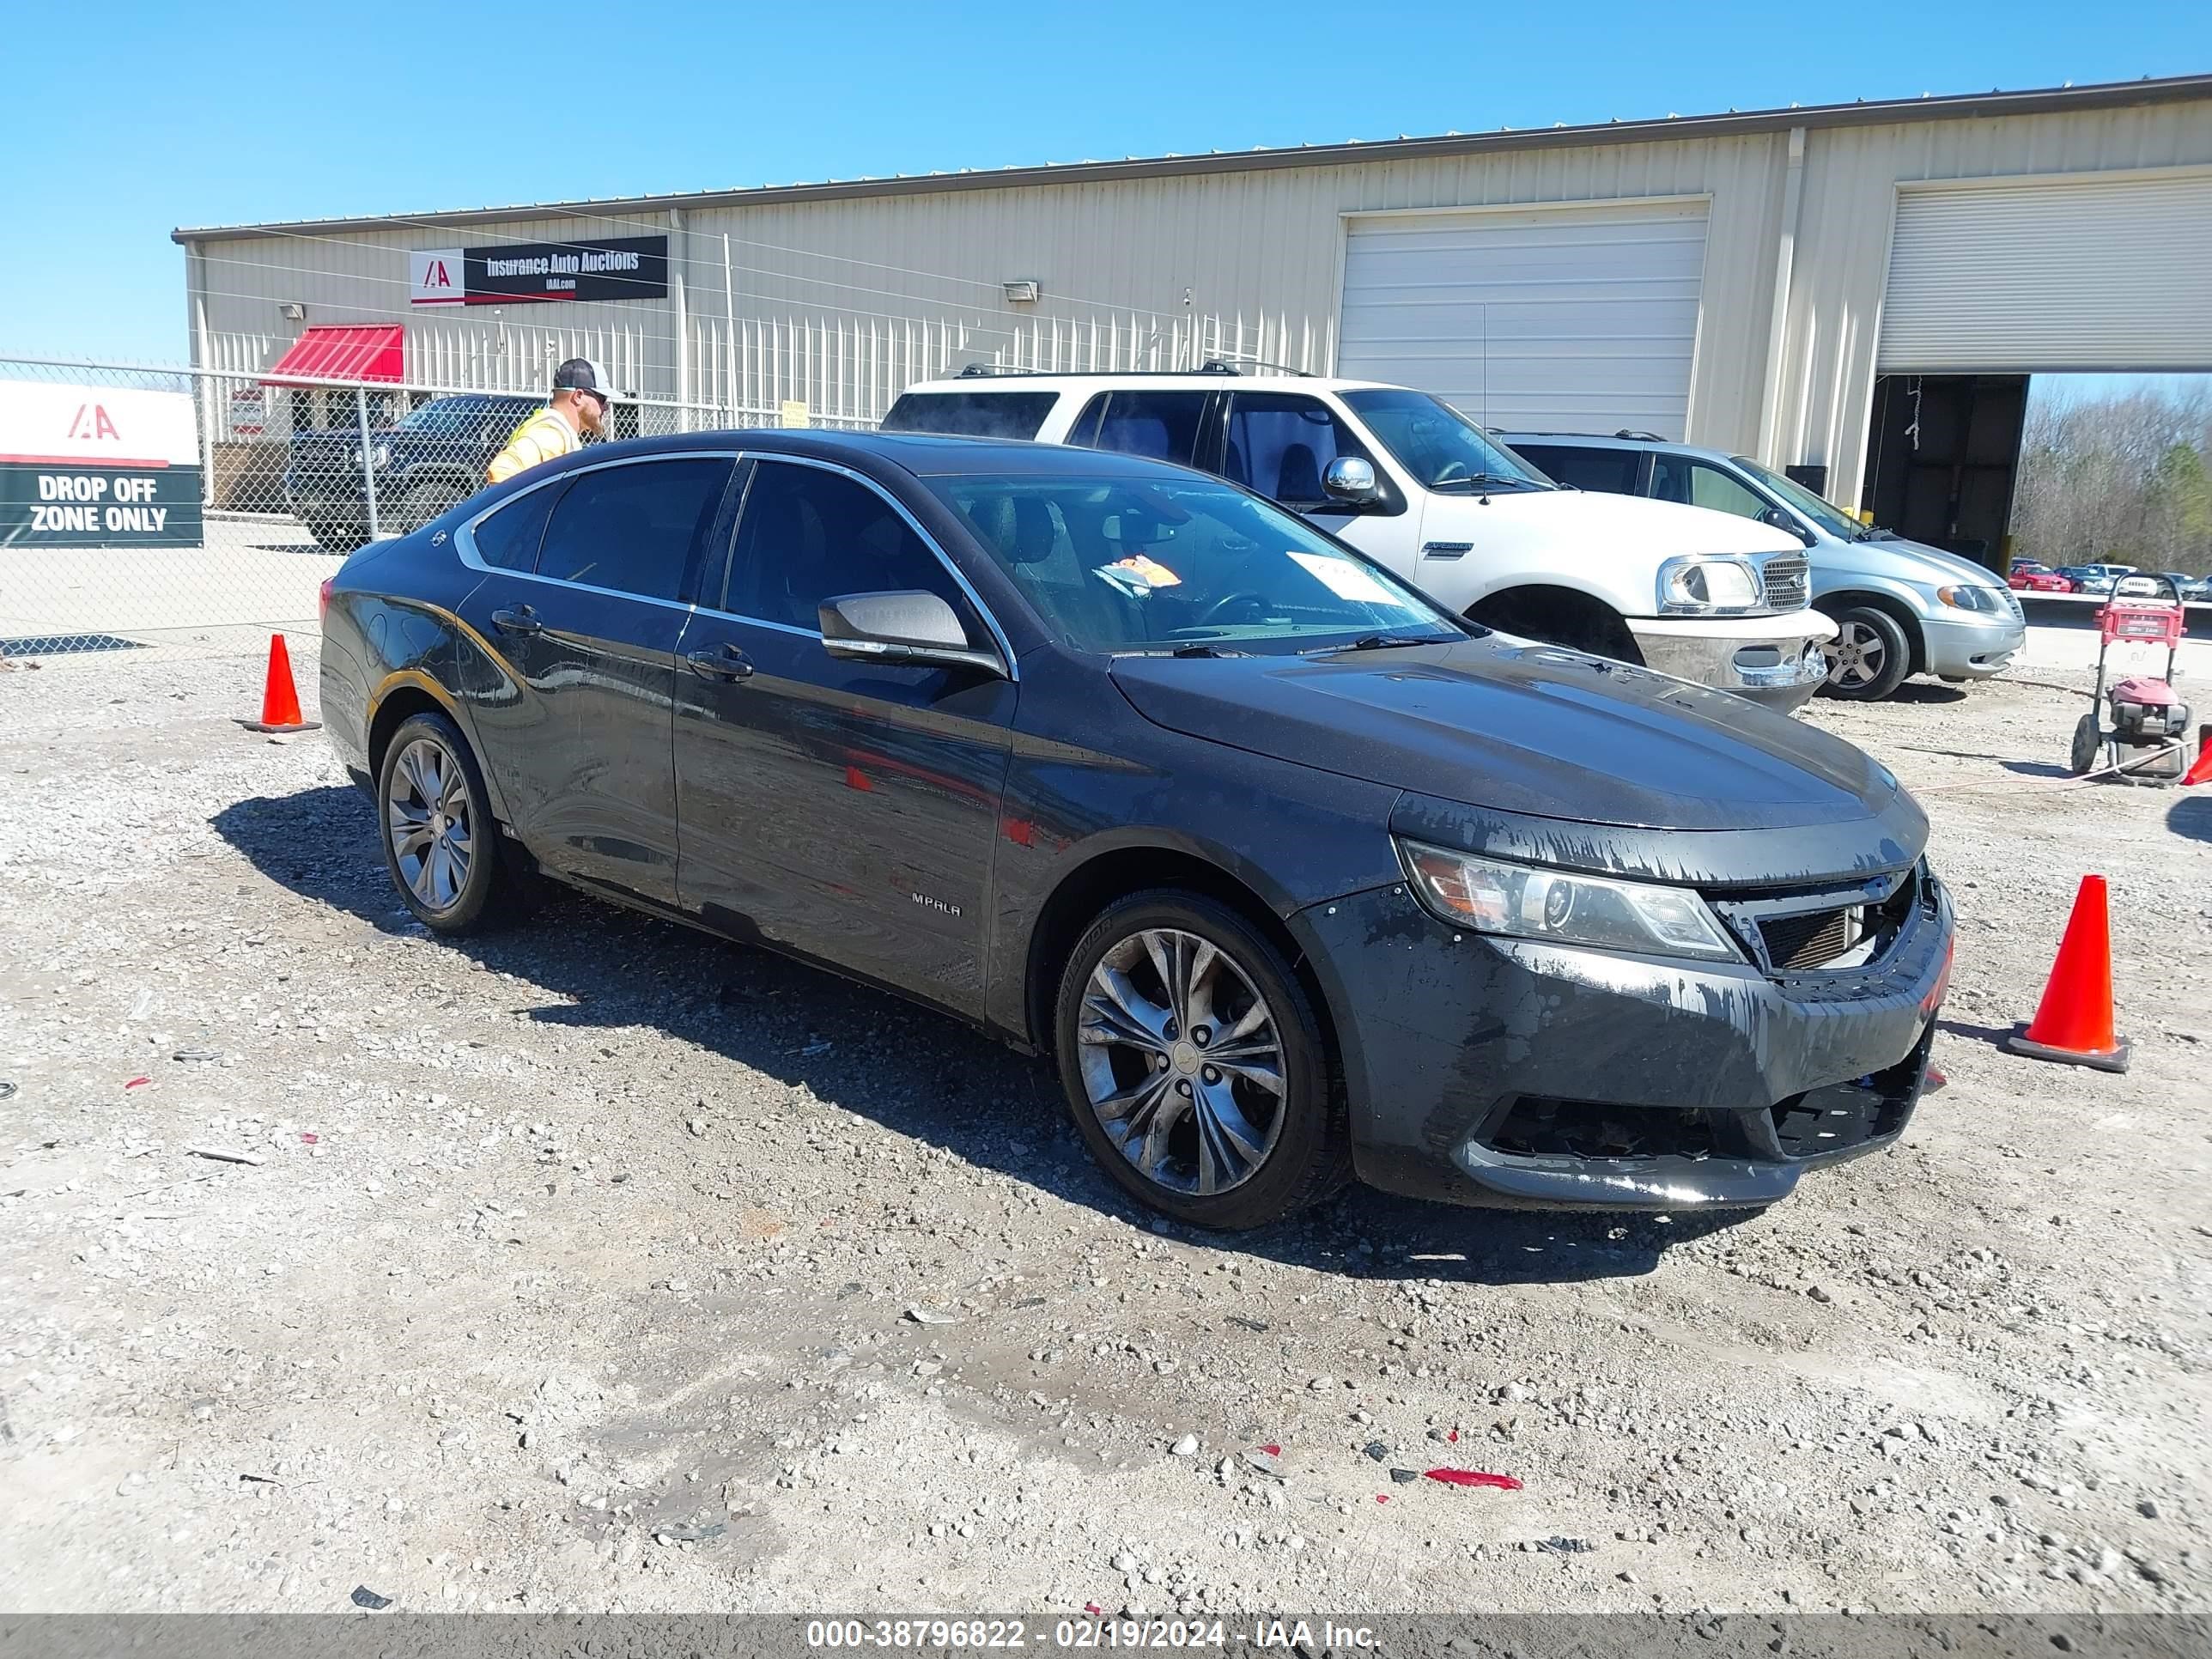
x=1113, y=783
x=1837, y=586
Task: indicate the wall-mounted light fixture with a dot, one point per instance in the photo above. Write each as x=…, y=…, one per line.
x=1023, y=291
x=293, y=311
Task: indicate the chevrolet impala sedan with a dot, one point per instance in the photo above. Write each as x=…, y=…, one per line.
x=1296, y=877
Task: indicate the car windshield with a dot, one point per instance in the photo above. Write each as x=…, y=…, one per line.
x=1440, y=447
x=1161, y=564
x=1822, y=512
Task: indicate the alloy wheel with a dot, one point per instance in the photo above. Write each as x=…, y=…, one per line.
x=1182, y=1062
x=426, y=815
x=1856, y=655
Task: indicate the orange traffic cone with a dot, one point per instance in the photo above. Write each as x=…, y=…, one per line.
x=279, y=698
x=2074, y=1021
x=2201, y=771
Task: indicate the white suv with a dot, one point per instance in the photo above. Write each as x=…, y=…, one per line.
x=1414, y=485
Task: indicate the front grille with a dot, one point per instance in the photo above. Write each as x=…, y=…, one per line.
x=1788, y=581
x=1812, y=940
x=1848, y=927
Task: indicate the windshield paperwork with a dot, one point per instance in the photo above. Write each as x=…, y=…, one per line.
x=1821, y=512
x=1440, y=447
x=1121, y=565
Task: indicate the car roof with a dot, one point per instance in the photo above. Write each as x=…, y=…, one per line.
x=1150, y=379
x=920, y=454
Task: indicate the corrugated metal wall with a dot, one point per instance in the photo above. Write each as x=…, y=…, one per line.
x=1260, y=251
x=361, y=277
x=1842, y=262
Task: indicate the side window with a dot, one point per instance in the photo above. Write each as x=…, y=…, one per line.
x=1281, y=444
x=1609, y=471
x=508, y=539
x=806, y=535
x=1678, y=478
x=1711, y=487
x=1083, y=434
x=634, y=528
x=971, y=414
x=1163, y=425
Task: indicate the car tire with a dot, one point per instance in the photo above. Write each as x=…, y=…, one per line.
x=1221, y=1147
x=1869, y=657
x=425, y=502
x=336, y=538
x=441, y=846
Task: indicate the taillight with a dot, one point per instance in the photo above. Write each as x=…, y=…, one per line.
x=323, y=596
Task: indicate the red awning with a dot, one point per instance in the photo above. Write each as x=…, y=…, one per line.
x=373, y=355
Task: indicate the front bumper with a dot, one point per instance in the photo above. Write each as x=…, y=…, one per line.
x=327, y=498
x=1962, y=649
x=1479, y=1070
x=1773, y=660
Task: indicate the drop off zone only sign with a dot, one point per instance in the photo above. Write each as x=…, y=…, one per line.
x=96, y=466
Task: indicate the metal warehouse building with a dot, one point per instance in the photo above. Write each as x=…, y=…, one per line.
x=1857, y=290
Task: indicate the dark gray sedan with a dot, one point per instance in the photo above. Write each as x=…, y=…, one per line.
x=1297, y=877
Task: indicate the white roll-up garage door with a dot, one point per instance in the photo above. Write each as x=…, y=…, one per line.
x=1558, y=319
x=2072, y=275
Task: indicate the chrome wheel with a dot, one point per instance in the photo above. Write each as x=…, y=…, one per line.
x=1857, y=655
x=1182, y=1062
x=427, y=815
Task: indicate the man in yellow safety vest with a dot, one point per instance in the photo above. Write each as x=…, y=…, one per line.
x=578, y=404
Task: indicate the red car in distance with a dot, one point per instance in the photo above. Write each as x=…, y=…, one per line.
x=2030, y=577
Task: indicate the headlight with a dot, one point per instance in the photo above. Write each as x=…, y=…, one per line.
x=1695, y=583
x=353, y=457
x=1523, y=901
x=384, y=454
x=1970, y=598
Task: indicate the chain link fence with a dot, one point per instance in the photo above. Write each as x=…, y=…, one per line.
x=159, y=505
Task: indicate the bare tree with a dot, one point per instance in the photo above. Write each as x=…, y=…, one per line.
x=2126, y=479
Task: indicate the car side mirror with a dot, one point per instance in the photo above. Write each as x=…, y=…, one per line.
x=910, y=628
x=1779, y=519
x=1351, y=479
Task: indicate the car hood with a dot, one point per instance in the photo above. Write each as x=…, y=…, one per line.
x=1912, y=562
x=1522, y=728
x=1596, y=519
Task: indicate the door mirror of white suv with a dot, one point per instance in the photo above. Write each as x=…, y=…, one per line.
x=1351, y=479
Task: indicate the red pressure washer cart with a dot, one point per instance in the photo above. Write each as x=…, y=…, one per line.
x=2147, y=717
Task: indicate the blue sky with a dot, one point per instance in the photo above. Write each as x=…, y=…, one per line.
x=127, y=119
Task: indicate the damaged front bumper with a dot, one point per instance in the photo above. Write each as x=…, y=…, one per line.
x=1774, y=660
x=1490, y=1071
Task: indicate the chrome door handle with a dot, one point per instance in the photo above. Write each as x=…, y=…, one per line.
x=520, y=621
x=726, y=664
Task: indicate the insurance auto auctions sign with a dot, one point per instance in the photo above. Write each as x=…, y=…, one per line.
x=93, y=466
x=621, y=268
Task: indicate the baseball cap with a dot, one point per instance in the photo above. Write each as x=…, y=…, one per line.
x=582, y=375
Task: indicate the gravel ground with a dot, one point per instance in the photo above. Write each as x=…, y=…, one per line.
x=601, y=1266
